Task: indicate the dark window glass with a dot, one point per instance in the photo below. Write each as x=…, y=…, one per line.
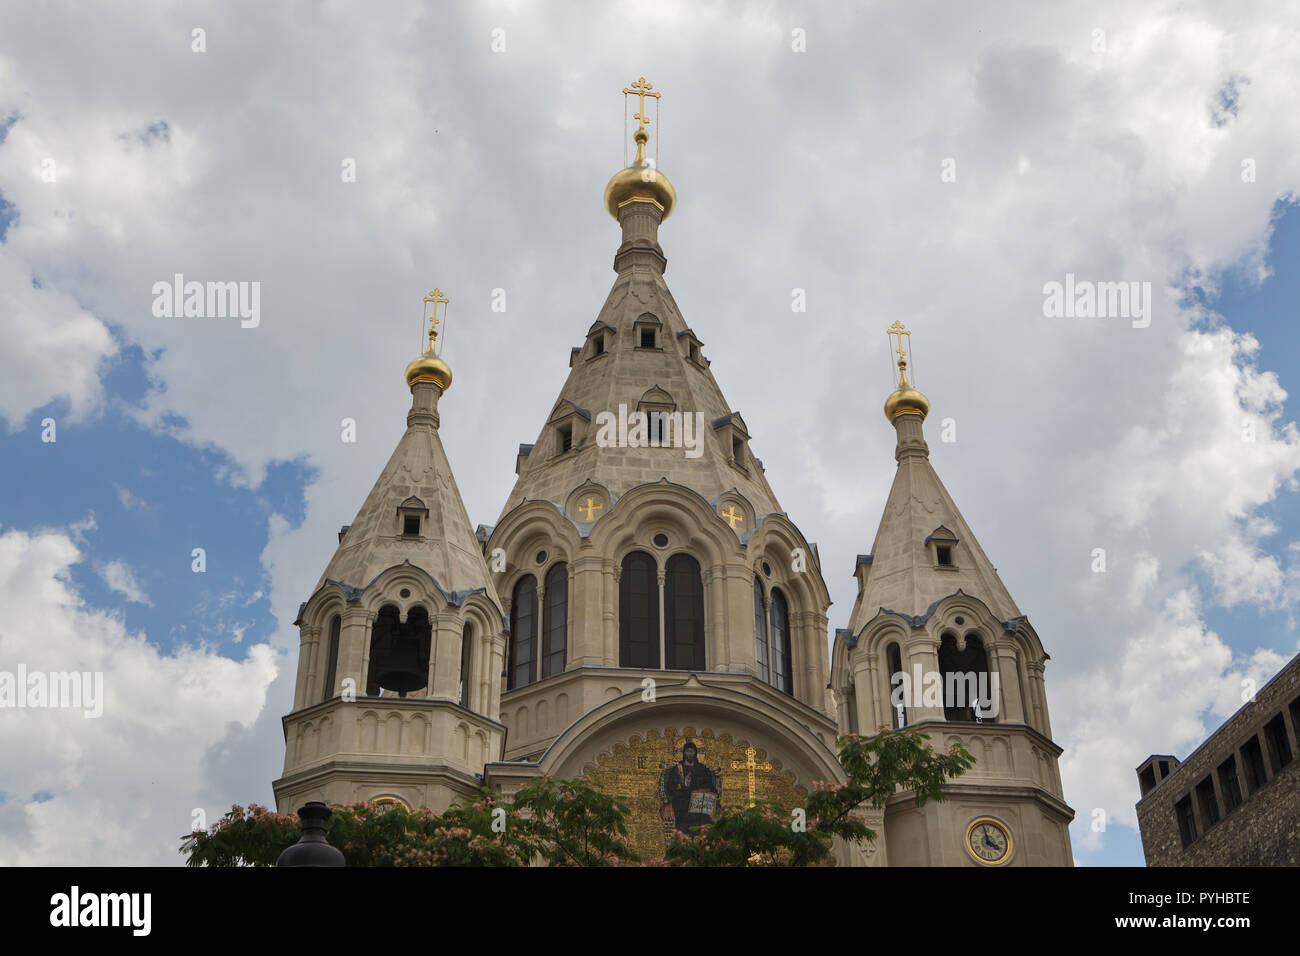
x=638, y=612
x=1253, y=755
x=945, y=555
x=684, y=613
x=332, y=660
x=598, y=344
x=1229, y=784
x=782, y=666
x=1186, y=819
x=760, y=631
x=895, y=657
x=647, y=338
x=1209, y=805
x=466, y=657
x=1279, y=748
x=523, y=632
x=566, y=438
x=411, y=524
x=1148, y=780
x=556, y=620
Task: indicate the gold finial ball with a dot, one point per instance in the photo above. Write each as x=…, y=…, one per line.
x=906, y=400
x=641, y=182
x=429, y=368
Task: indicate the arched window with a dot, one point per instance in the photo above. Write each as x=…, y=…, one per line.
x=523, y=632
x=332, y=658
x=782, y=676
x=684, y=613
x=760, y=631
x=894, y=661
x=466, y=658
x=555, y=620
x=399, y=651
x=638, y=612
x=964, y=666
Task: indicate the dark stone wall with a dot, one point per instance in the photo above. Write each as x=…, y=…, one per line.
x=1265, y=829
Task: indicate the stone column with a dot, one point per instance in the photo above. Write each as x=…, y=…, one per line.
x=1038, y=694
x=609, y=612
x=871, y=713
x=1006, y=666
x=720, y=653
x=491, y=706
x=444, y=660
x=739, y=604
x=661, y=575
x=306, y=673
x=539, y=631
x=923, y=651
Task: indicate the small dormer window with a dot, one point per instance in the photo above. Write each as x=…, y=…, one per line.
x=565, y=434
x=598, y=345
x=942, y=545
x=695, y=353
x=647, y=338
x=410, y=516
x=738, y=450
x=944, y=553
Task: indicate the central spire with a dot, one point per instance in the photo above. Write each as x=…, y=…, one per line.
x=640, y=197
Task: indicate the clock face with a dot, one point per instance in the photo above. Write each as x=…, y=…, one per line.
x=988, y=841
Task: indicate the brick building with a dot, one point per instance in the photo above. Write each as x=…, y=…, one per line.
x=1235, y=800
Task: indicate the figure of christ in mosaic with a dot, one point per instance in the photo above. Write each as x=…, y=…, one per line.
x=688, y=793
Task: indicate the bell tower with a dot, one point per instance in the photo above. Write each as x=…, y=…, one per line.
x=935, y=642
x=402, y=640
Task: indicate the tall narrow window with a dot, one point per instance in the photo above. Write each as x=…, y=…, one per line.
x=684, y=614
x=1253, y=755
x=894, y=660
x=332, y=660
x=760, y=632
x=1230, y=784
x=1186, y=819
x=523, y=632
x=1279, y=748
x=1209, y=805
x=782, y=676
x=638, y=612
x=555, y=620
x=466, y=659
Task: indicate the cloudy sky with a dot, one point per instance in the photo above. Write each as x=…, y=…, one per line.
x=924, y=162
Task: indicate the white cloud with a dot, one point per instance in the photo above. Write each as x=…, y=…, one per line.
x=129, y=500
x=120, y=578
x=122, y=787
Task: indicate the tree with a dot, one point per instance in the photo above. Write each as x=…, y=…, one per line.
x=562, y=823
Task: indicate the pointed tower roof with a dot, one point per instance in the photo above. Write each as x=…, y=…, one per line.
x=416, y=483
x=640, y=355
x=904, y=572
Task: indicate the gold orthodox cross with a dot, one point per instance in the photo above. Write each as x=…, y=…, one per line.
x=751, y=765
x=435, y=297
x=732, y=516
x=642, y=89
x=898, y=330
x=591, y=507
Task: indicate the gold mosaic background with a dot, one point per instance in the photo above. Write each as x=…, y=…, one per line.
x=631, y=773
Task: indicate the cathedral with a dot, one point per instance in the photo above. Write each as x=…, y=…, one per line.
x=644, y=613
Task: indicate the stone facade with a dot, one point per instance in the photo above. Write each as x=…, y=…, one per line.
x=552, y=643
x=1189, y=814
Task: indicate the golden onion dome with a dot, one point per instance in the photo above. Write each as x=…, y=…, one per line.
x=429, y=368
x=640, y=181
x=906, y=399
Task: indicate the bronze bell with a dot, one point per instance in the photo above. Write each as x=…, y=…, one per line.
x=399, y=668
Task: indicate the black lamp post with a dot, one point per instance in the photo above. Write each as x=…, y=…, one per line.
x=312, y=849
